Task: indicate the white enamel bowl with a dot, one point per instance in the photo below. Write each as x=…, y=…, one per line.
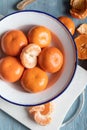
x=23, y=20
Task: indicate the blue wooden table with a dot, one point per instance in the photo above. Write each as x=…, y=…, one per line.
x=55, y=8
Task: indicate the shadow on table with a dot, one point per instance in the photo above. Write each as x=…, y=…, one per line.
x=83, y=63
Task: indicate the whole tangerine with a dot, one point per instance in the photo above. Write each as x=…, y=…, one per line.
x=13, y=41
x=34, y=80
x=50, y=59
x=68, y=22
x=10, y=69
x=40, y=35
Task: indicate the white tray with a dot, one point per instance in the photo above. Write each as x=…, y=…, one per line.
x=62, y=104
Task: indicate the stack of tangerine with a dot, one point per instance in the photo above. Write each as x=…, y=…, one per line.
x=28, y=58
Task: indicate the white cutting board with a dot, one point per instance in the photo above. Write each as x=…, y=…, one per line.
x=62, y=104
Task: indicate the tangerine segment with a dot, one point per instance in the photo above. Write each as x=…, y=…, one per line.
x=10, y=69
x=42, y=113
x=40, y=35
x=34, y=80
x=50, y=59
x=82, y=29
x=68, y=23
x=45, y=109
x=13, y=41
x=81, y=43
x=34, y=109
x=29, y=55
x=42, y=119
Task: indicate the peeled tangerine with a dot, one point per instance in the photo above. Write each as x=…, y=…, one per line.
x=78, y=8
x=42, y=113
x=81, y=43
x=29, y=55
x=82, y=29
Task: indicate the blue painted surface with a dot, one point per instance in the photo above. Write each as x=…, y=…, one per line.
x=55, y=8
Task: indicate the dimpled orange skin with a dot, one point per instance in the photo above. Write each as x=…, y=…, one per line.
x=13, y=41
x=50, y=59
x=40, y=35
x=34, y=80
x=10, y=69
x=68, y=23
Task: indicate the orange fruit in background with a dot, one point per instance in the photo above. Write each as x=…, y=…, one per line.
x=50, y=59
x=10, y=69
x=68, y=23
x=13, y=41
x=40, y=35
x=34, y=80
x=81, y=43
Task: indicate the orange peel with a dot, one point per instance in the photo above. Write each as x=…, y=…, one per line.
x=78, y=8
x=81, y=43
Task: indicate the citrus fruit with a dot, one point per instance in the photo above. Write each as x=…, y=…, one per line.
x=40, y=35
x=34, y=80
x=42, y=113
x=50, y=59
x=82, y=29
x=29, y=55
x=68, y=22
x=10, y=69
x=13, y=41
x=81, y=43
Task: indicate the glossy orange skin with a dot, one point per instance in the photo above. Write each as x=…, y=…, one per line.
x=40, y=35
x=10, y=69
x=13, y=41
x=68, y=23
x=34, y=80
x=50, y=59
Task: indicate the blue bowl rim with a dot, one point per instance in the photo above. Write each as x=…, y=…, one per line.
x=37, y=11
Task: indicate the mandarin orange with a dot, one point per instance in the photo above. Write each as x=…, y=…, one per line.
x=34, y=80
x=10, y=69
x=68, y=22
x=50, y=59
x=13, y=41
x=40, y=35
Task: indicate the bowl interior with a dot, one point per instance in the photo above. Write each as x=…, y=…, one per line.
x=61, y=39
